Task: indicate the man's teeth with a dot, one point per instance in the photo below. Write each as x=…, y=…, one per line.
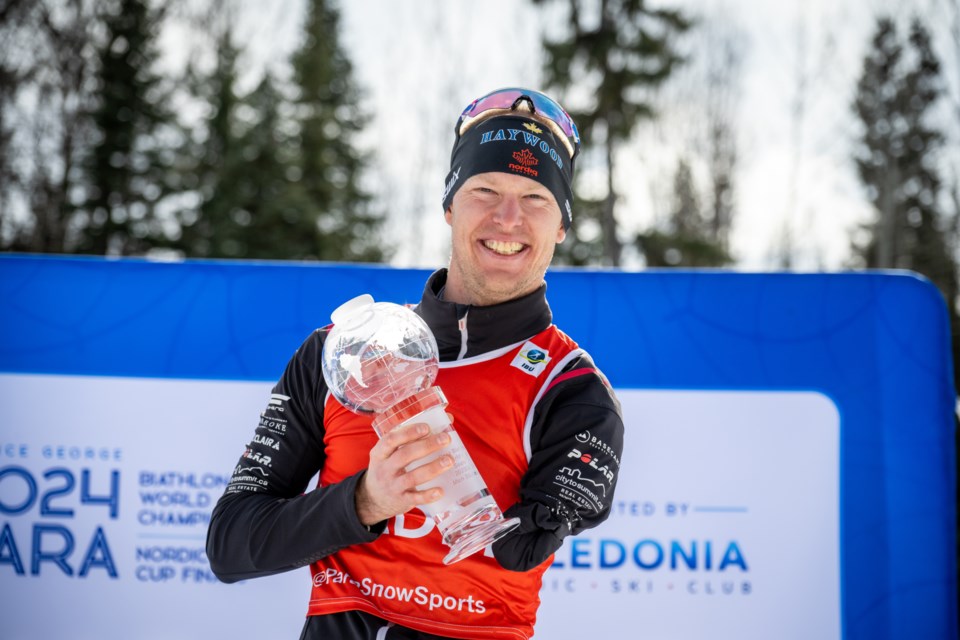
x=503, y=248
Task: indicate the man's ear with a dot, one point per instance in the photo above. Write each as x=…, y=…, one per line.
x=448, y=215
x=561, y=234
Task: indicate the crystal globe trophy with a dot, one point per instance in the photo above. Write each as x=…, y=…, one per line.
x=381, y=358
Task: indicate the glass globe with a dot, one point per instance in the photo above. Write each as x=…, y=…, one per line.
x=377, y=354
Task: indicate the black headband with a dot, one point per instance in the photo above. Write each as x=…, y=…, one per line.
x=515, y=145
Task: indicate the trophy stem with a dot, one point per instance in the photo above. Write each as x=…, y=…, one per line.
x=467, y=516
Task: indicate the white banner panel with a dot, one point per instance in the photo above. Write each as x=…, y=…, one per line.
x=721, y=495
x=126, y=560
x=106, y=485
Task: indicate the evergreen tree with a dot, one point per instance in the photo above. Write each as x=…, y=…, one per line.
x=275, y=172
x=125, y=169
x=211, y=157
x=330, y=168
x=689, y=238
x=613, y=57
x=241, y=164
x=269, y=215
x=896, y=161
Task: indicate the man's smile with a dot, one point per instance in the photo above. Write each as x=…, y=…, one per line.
x=504, y=248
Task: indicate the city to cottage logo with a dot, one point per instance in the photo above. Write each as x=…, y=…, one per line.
x=531, y=359
x=525, y=163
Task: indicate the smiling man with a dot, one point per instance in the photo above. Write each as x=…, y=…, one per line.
x=523, y=395
x=504, y=232
x=508, y=196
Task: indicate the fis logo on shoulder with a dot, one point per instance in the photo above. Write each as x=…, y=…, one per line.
x=531, y=359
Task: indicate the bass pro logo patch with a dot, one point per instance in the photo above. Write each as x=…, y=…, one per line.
x=531, y=359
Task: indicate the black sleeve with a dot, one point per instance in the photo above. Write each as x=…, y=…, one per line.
x=264, y=523
x=576, y=441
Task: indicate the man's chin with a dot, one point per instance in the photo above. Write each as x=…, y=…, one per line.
x=497, y=290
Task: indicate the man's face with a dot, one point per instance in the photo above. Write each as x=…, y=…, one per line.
x=505, y=228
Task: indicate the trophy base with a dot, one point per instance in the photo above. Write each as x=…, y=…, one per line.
x=476, y=532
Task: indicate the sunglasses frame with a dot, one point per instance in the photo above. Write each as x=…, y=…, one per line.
x=544, y=108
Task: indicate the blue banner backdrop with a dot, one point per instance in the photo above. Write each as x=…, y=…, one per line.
x=876, y=344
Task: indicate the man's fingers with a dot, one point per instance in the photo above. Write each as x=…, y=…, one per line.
x=423, y=473
x=422, y=451
x=391, y=442
x=426, y=496
x=404, y=464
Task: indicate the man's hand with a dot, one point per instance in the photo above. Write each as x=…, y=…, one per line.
x=387, y=489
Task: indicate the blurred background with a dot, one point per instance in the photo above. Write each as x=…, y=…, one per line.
x=756, y=135
x=760, y=135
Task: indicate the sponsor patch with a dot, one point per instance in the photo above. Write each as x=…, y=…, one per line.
x=531, y=359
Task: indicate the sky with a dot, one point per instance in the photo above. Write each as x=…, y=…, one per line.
x=419, y=63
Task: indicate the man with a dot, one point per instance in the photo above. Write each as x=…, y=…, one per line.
x=522, y=394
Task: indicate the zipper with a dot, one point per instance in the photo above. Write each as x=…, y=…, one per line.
x=462, y=325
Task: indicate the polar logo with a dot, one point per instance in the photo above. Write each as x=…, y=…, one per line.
x=591, y=462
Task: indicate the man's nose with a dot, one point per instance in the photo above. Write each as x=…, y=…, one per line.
x=508, y=213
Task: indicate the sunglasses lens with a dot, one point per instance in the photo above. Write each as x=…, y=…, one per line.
x=543, y=105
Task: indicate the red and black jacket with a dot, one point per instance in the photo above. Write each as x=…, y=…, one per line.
x=267, y=522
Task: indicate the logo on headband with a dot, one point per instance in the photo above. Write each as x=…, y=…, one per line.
x=529, y=126
x=526, y=161
x=526, y=137
x=454, y=176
